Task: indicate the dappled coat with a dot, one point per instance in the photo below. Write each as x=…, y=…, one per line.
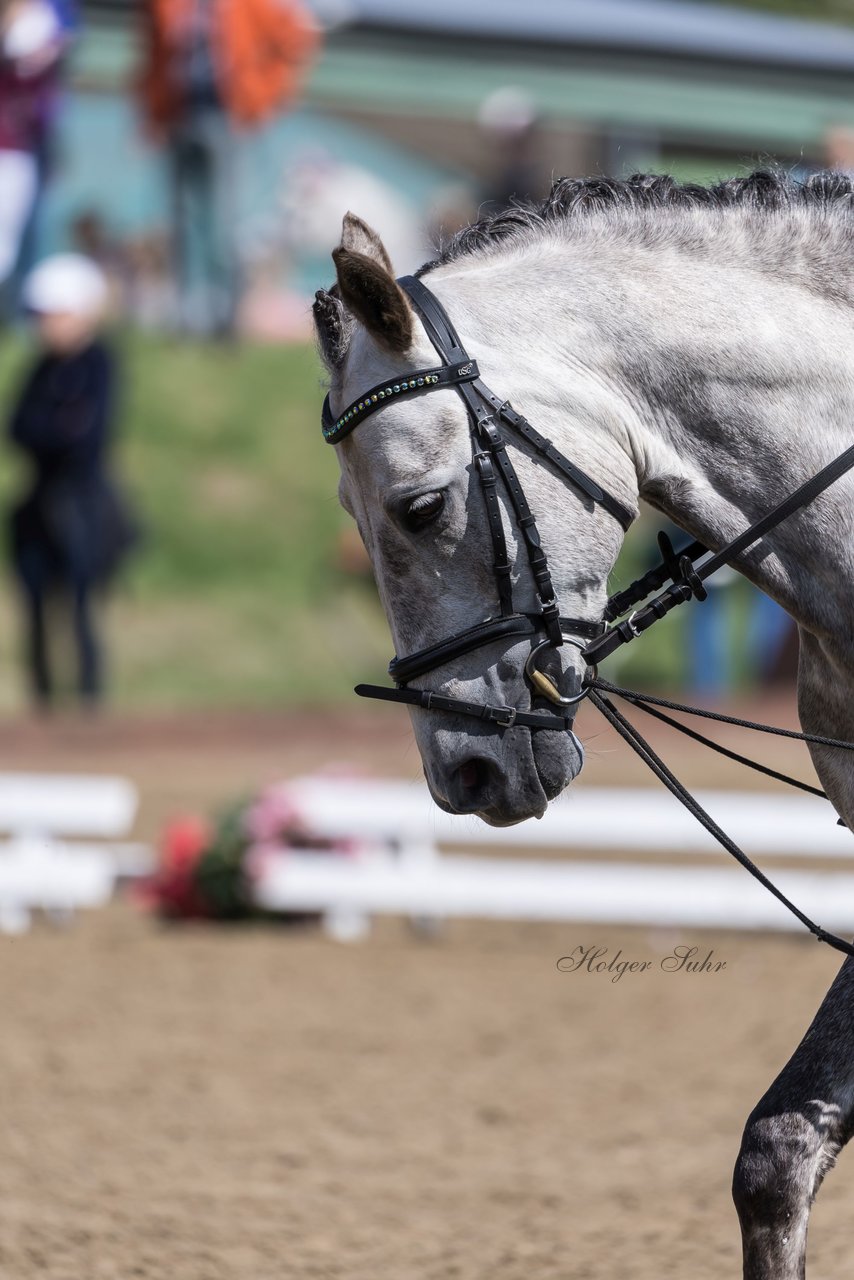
x=261, y=50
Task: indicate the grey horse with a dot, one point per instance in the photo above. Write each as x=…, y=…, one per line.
x=690, y=346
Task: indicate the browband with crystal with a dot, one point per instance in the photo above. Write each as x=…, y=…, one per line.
x=335, y=429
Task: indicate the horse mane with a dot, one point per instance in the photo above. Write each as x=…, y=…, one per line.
x=571, y=199
x=574, y=202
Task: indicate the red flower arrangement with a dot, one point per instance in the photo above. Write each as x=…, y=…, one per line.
x=206, y=871
x=172, y=891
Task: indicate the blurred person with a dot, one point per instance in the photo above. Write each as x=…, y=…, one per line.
x=510, y=124
x=214, y=67
x=71, y=530
x=33, y=36
x=68, y=17
x=316, y=192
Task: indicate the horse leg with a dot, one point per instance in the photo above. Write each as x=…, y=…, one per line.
x=792, y=1138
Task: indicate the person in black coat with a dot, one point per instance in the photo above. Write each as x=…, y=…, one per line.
x=71, y=529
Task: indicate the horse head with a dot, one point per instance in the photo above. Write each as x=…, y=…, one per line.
x=411, y=481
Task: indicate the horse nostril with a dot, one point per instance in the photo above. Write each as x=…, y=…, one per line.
x=471, y=782
x=470, y=774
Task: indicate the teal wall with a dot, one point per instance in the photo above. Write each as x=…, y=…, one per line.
x=105, y=164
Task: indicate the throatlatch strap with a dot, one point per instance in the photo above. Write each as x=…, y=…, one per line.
x=544, y=448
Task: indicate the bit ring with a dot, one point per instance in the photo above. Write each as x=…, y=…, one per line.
x=544, y=684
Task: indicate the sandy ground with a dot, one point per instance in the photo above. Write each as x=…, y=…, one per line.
x=214, y=1105
x=241, y=1104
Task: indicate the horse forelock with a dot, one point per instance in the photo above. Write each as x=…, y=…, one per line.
x=334, y=327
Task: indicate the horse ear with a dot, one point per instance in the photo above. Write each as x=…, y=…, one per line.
x=368, y=288
x=360, y=238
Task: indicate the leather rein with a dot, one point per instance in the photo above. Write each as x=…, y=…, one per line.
x=546, y=626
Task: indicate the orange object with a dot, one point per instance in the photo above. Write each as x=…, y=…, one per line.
x=261, y=49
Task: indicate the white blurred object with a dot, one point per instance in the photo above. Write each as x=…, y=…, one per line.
x=346, y=925
x=66, y=284
x=31, y=31
x=66, y=804
x=18, y=180
x=399, y=869
x=40, y=870
x=507, y=110
x=643, y=819
x=319, y=191
x=514, y=889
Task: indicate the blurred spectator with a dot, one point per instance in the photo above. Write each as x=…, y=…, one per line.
x=69, y=21
x=32, y=39
x=510, y=124
x=318, y=190
x=71, y=530
x=213, y=67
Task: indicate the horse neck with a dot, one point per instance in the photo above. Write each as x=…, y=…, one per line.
x=747, y=383
x=731, y=380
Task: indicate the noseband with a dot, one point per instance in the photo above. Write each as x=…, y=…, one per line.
x=546, y=626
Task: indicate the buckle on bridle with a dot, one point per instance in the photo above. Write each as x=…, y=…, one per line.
x=509, y=713
x=630, y=623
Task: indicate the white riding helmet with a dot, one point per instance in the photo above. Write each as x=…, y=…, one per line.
x=66, y=284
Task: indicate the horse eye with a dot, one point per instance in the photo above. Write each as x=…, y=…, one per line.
x=422, y=510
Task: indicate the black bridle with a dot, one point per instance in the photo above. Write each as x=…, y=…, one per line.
x=546, y=626
x=487, y=414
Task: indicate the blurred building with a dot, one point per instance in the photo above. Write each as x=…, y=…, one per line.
x=616, y=85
